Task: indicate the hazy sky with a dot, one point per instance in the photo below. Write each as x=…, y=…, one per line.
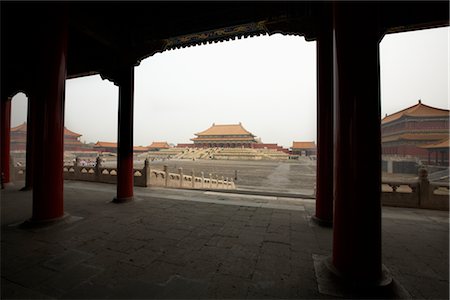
x=268, y=83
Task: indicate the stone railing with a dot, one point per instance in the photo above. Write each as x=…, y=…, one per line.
x=177, y=180
x=142, y=177
x=420, y=193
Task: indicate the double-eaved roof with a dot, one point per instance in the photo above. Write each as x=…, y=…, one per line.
x=418, y=110
x=225, y=130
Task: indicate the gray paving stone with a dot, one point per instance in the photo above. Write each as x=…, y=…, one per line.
x=66, y=260
x=32, y=277
x=11, y=290
x=65, y=281
x=226, y=286
x=159, y=247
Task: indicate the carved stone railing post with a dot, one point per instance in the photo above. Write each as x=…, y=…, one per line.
x=180, y=171
x=203, y=179
x=223, y=182
x=77, y=161
x=424, y=186
x=193, y=179
x=210, y=180
x=217, y=181
x=98, y=164
x=166, y=175
x=226, y=183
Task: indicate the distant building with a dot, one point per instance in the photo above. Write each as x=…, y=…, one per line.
x=156, y=146
x=228, y=136
x=304, y=148
x=408, y=131
x=112, y=147
x=270, y=147
x=71, y=139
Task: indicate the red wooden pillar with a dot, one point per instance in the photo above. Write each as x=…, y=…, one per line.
x=324, y=179
x=29, y=153
x=48, y=129
x=125, y=174
x=357, y=152
x=5, y=139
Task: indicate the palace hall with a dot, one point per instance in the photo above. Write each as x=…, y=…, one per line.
x=227, y=135
x=411, y=130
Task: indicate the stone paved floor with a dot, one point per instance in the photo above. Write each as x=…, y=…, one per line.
x=193, y=244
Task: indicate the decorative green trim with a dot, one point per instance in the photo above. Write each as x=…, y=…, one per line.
x=221, y=34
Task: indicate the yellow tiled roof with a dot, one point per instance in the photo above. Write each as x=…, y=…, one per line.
x=70, y=132
x=159, y=145
x=303, y=145
x=228, y=129
x=418, y=110
x=23, y=128
x=106, y=144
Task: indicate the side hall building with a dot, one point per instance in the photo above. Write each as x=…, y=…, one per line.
x=71, y=139
x=407, y=132
x=228, y=136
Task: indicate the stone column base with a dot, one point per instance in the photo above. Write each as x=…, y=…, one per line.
x=122, y=200
x=330, y=282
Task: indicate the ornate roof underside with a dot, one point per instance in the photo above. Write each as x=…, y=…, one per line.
x=106, y=35
x=218, y=35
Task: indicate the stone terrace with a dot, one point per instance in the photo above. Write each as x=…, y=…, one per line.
x=193, y=244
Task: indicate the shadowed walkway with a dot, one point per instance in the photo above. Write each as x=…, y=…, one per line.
x=193, y=244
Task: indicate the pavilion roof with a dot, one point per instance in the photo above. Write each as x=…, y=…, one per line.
x=303, y=145
x=441, y=144
x=23, y=128
x=418, y=110
x=415, y=137
x=159, y=145
x=225, y=129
